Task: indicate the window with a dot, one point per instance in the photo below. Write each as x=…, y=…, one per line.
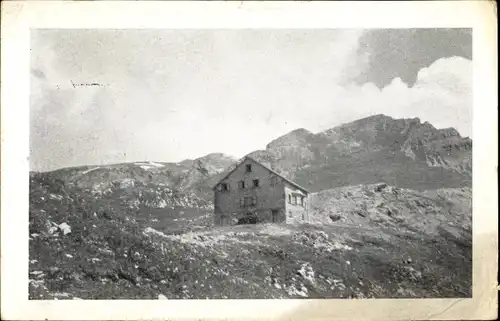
x=241, y=184
x=303, y=217
x=255, y=183
x=248, y=168
x=294, y=200
x=224, y=187
x=290, y=199
x=302, y=200
x=289, y=213
x=248, y=201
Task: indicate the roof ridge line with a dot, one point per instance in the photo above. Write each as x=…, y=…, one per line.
x=269, y=169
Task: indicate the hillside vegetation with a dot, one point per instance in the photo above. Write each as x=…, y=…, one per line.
x=124, y=253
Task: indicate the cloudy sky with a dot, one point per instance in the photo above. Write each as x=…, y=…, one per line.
x=168, y=95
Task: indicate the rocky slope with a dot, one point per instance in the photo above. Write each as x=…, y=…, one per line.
x=390, y=243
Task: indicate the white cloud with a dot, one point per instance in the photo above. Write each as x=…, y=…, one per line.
x=442, y=96
x=188, y=94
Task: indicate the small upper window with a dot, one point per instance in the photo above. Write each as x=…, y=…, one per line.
x=290, y=199
x=302, y=200
x=224, y=187
x=255, y=183
x=241, y=184
x=274, y=180
x=249, y=168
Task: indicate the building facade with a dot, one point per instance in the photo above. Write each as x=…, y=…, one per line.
x=254, y=193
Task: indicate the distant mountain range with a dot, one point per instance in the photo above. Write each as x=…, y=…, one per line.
x=401, y=152
x=393, y=216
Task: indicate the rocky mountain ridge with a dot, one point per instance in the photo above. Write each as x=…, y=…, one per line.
x=401, y=152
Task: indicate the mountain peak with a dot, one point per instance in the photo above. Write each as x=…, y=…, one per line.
x=213, y=156
x=295, y=137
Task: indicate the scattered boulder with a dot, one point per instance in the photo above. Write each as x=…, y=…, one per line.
x=65, y=228
x=335, y=217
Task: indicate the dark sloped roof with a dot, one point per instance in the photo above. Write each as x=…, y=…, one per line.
x=269, y=169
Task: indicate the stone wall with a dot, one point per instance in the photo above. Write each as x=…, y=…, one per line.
x=269, y=195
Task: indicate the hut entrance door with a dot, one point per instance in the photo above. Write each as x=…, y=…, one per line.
x=274, y=215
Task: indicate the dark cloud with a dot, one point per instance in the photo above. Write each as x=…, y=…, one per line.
x=403, y=52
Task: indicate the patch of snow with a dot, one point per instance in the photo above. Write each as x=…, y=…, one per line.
x=33, y=261
x=162, y=297
x=148, y=165
x=156, y=164
x=69, y=256
x=89, y=170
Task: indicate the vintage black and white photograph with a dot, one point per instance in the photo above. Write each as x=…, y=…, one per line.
x=250, y=163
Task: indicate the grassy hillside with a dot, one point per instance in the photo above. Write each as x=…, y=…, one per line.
x=117, y=244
